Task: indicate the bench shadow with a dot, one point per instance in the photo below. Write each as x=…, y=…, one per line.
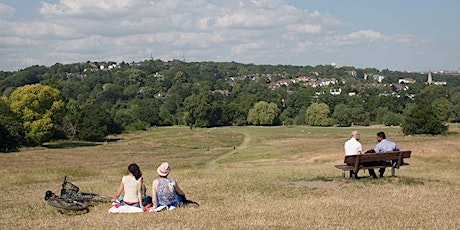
x=337, y=182
x=397, y=180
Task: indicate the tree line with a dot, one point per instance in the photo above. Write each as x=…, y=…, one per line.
x=90, y=100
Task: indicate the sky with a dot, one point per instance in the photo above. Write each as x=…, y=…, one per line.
x=401, y=35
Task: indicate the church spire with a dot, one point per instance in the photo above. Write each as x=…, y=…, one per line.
x=430, y=78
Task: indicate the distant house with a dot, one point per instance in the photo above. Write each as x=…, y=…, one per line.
x=375, y=77
x=161, y=95
x=352, y=94
x=398, y=87
x=440, y=83
x=305, y=81
x=222, y=92
x=406, y=80
x=352, y=73
x=335, y=91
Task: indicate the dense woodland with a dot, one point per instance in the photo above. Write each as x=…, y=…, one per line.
x=90, y=100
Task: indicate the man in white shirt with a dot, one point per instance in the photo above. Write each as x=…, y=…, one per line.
x=353, y=147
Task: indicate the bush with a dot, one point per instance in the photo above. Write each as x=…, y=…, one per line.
x=96, y=124
x=423, y=119
x=392, y=119
x=263, y=113
x=343, y=115
x=318, y=115
x=11, y=130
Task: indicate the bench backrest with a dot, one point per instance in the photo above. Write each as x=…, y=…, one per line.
x=371, y=157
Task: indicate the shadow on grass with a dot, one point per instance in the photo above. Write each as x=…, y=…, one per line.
x=322, y=178
x=76, y=144
x=110, y=140
x=410, y=181
x=68, y=145
x=324, y=182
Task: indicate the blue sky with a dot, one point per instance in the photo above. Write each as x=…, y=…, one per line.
x=406, y=35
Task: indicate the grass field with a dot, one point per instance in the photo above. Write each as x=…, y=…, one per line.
x=243, y=178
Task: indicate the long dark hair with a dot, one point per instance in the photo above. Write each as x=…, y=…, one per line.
x=135, y=170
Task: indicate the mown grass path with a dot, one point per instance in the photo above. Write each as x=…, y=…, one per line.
x=244, y=144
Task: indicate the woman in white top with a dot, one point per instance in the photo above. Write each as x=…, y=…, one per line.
x=131, y=185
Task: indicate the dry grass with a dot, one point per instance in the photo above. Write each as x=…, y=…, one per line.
x=274, y=178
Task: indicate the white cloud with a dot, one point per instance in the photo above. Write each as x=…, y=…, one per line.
x=43, y=29
x=362, y=36
x=6, y=10
x=304, y=28
x=304, y=46
x=256, y=31
x=324, y=19
x=93, y=44
x=247, y=47
x=368, y=36
x=13, y=41
x=85, y=7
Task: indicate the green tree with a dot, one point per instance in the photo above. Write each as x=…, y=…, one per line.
x=11, y=130
x=288, y=116
x=40, y=108
x=455, y=107
x=202, y=110
x=71, y=120
x=263, y=113
x=343, y=115
x=423, y=119
x=147, y=110
x=380, y=114
x=359, y=115
x=318, y=115
x=431, y=93
x=299, y=100
x=96, y=124
x=392, y=119
x=442, y=107
x=110, y=94
x=246, y=94
x=169, y=109
x=123, y=114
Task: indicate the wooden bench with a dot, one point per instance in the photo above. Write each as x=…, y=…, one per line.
x=356, y=162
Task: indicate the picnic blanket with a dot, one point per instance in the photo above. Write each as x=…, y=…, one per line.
x=125, y=209
x=117, y=208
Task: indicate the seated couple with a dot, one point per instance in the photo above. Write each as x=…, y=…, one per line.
x=165, y=191
x=354, y=147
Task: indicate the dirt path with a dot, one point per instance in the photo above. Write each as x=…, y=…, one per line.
x=244, y=144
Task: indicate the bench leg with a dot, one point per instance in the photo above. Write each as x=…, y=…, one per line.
x=353, y=175
x=393, y=171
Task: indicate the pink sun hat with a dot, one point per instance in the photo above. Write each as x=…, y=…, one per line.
x=163, y=169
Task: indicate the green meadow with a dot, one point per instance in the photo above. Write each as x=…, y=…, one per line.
x=243, y=178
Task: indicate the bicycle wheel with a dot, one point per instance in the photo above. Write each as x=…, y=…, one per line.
x=67, y=205
x=93, y=197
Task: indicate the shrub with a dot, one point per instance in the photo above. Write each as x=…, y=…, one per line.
x=423, y=119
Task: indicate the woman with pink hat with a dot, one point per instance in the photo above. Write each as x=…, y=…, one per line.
x=165, y=191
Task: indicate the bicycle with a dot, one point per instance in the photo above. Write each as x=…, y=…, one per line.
x=70, y=199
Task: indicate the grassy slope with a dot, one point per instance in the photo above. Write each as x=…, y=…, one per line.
x=244, y=178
